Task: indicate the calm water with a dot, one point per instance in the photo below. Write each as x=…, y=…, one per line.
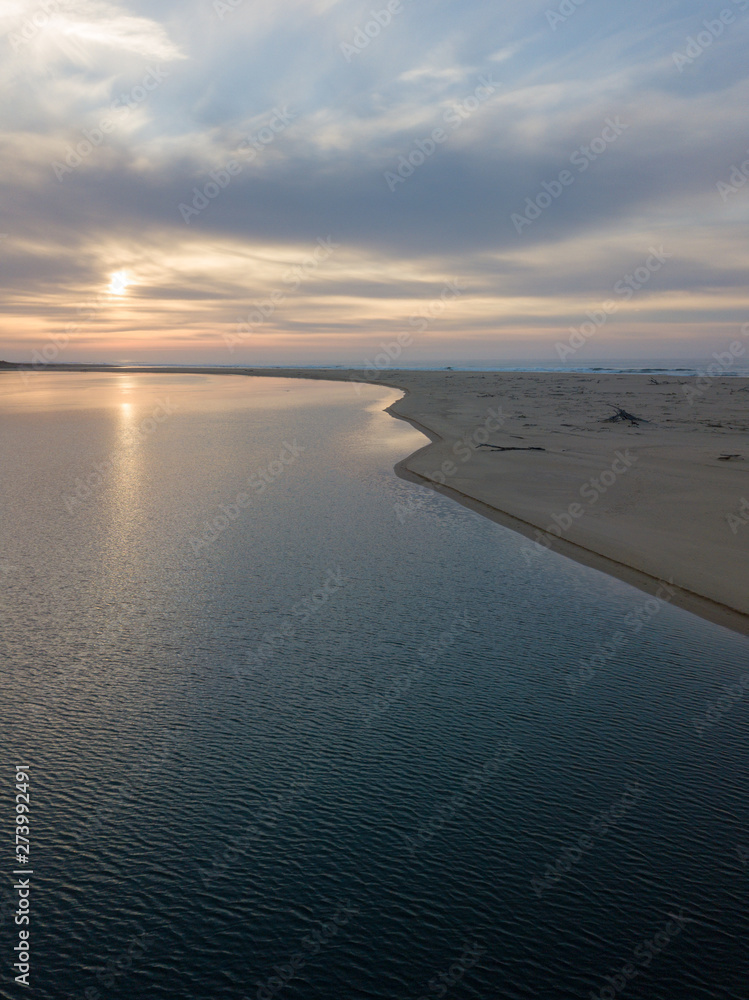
x=299, y=729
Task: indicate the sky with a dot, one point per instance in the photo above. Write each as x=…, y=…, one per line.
x=329, y=182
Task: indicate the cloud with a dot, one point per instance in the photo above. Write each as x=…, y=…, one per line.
x=82, y=31
x=313, y=136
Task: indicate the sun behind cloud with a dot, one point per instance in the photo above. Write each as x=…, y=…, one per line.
x=119, y=282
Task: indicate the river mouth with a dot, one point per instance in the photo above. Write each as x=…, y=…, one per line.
x=297, y=726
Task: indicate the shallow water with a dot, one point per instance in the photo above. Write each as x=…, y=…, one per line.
x=281, y=707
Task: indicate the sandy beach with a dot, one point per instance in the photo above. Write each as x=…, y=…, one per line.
x=665, y=498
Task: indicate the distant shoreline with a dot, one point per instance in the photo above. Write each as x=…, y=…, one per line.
x=653, y=502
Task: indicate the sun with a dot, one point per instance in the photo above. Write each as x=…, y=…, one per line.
x=118, y=282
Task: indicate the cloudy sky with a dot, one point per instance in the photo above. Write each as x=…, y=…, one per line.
x=304, y=180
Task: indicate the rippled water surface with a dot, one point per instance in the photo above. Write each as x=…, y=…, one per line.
x=299, y=729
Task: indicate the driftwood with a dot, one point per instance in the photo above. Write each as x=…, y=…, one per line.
x=499, y=447
x=622, y=416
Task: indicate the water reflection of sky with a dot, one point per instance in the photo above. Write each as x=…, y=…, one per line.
x=45, y=391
